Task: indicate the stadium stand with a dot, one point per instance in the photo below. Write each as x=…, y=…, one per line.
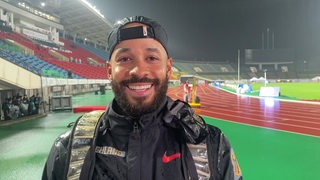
x=35, y=65
x=80, y=62
x=101, y=53
x=208, y=70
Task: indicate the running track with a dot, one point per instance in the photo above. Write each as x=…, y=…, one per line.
x=301, y=117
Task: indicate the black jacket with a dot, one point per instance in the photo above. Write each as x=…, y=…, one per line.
x=171, y=143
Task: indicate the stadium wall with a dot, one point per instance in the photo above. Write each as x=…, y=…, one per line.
x=18, y=76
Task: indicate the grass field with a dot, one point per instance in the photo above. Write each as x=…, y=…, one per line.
x=296, y=90
x=301, y=90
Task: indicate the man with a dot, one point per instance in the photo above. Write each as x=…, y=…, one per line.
x=6, y=109
x=143, y=134
x=37, y=101
x=187, y=91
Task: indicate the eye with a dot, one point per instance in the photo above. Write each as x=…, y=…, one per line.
x=123, y=59
x=152, y=58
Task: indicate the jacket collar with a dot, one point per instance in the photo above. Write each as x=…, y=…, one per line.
x=175, y=114
x=113, y=118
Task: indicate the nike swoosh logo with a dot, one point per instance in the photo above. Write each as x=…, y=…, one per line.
x=167, y=159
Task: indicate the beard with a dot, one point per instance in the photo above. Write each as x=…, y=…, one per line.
x=140, y=107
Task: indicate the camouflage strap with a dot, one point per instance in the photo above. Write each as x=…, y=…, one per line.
x=200, y=157
x=83, y=133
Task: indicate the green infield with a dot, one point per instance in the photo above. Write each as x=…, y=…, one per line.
x=296, y=90
x=292, y=90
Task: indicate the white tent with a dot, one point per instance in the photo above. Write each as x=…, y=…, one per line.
x=317, y=78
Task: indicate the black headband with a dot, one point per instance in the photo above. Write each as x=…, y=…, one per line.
x=135, y=33
x=152, y=30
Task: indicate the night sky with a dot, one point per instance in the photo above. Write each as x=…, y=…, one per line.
x=213, y=30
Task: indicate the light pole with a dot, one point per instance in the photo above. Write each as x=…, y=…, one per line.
x=238, y=66
x=265, y=77
x=304, y=66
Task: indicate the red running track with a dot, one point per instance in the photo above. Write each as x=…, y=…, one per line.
x=301, y=117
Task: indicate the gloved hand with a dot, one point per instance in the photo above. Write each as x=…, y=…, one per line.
x=180, y=115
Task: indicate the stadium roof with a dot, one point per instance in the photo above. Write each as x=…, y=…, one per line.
x=79, y=18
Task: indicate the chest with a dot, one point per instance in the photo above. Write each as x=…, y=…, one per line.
x=143, y=154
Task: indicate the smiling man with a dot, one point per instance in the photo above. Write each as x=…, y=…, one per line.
x=139, y=71
x=143, y=134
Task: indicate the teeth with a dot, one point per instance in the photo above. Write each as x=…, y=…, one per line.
x=139, y=87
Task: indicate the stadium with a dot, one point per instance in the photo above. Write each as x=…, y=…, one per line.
x=53, y=69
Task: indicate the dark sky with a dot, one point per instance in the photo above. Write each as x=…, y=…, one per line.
x=213, y=30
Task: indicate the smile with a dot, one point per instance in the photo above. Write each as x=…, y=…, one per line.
x=141, y=87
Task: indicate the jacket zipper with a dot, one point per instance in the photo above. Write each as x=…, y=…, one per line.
x=135, y=171
x=135, y=127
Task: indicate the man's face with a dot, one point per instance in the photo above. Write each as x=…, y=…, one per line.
x=140, y=71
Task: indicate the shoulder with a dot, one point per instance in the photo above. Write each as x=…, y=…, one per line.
x=222, y=155
x=214, y=131
x=216, y=136
x=217, y=141
x=56, y=162
x=63, y=140
x=60, y=149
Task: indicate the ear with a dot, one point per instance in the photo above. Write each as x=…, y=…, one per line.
x=109, y=70
x=169, y=67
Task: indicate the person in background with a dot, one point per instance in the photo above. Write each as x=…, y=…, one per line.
x=25, y=99
x=187, y=91
x=143, y=133
x=37, y=101
x=6, y=109
x=31, y=106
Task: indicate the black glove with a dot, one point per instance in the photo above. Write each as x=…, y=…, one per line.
x=181, y=116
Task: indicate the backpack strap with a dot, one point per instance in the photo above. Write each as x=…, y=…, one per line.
x=81, y=139
x=199, y=154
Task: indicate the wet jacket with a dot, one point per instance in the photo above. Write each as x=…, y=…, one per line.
x=170, y=143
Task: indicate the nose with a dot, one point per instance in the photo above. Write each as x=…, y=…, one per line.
x=140, y=68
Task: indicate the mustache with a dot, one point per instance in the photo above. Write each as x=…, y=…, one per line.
x=136, y=79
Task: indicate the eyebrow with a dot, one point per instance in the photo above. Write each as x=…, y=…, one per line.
x=123, y=50
x=153, y=50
